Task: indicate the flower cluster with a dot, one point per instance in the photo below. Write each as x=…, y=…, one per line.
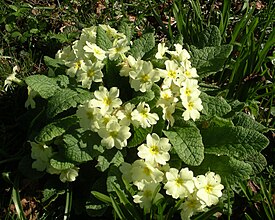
x=105, y=113
x=114, y=118
x=178, y=81
x=85, y=59
x=152, y=171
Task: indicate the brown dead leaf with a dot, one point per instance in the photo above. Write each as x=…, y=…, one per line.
x=253, y=186
x=100, y=7
x=132, y=18
x=259, y=5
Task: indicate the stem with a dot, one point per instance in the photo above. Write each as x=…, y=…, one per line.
x=68, y=206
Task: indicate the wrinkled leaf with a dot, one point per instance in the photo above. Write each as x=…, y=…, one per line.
x=102, y=40
x=209, y=37
x=246, y=121
x=143, y=45
x=187, y=142
x=43, y=85
x=228, y=168
x=110, y=156
x=214, y=106
x=65, y=99
x=51, y=62
x=125, y=29
x=72, y=150
x=60, y=164
x=257, y=161
x=143, y=97
x=138, y=136
x=56, y=129
x=233, y=141
x=209, y=60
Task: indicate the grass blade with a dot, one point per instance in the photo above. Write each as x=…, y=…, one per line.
x=102, y=197
x=69, y=201
x=127, y=204
x=117, y=208
x=17, y=203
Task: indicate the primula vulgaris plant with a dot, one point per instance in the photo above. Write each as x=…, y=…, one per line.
x=138, y=111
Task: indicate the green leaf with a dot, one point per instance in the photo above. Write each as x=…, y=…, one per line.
x=102, y=163
x=45, y=86
x=102, y=40
x=187, y=143
x=95, y=206
x=96, y=210
x=157, y=63
x=143, y=97
x=214, y=106
x=139, y=134
x=143, y=45
x=114, y=180
x=60, y=164
x=50, y=195
x=66, y=98
x=256, y=160
x=72, y=150
x=63, y=81
x=246, y=121
x=110, y=156
x=91, y=142
x=156, y=90
x=101, y=197
x=113, y=79
x=228, y=168
x=114, y=183
x=233, y=141
x=125, y=29
x=51, y=62
x=117, y=208
x=217, y=122
x=209, y=37
x=209, y=60
x=56, y=129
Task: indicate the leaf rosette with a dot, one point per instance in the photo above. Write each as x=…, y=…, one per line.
x=106, y=98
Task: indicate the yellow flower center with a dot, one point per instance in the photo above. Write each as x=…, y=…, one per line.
x=90, y=73
x=179, y=181
x=106, y=120
x=90, y=115
x=192, y=204
x=166, y=96
x=147, y=171
x=144, y=114
x=187, y=73
x=119, y=49
x=77, y=64
x=208, y=188
x=145, y=78
x=107, y=101
x=147, y=193
x=187, y=92
x=97, y=51
x=172, y=74
x=190, y=105
x=154, y=149
x=113, y=134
